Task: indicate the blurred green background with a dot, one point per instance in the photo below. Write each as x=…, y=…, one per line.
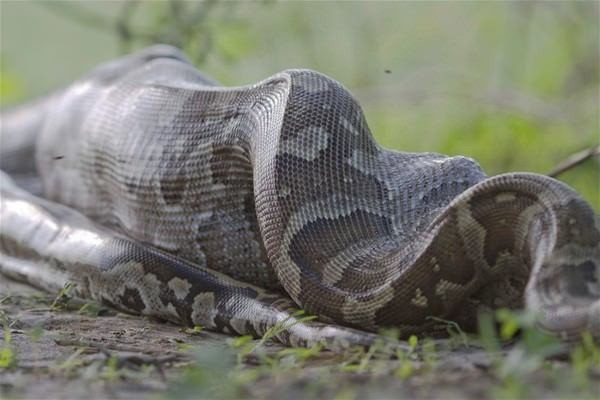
x=513, y=84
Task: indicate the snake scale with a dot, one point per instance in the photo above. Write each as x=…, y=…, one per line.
x=168, y=195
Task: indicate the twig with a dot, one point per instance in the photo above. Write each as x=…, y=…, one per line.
x=574, y=160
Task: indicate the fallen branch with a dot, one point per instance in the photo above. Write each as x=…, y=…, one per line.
x=574, y=160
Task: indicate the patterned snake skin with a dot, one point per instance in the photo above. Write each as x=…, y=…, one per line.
x=233, y=207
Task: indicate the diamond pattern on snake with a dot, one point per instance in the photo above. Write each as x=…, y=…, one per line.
x=166, y=194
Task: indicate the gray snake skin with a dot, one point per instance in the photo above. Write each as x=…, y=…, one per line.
x=167, y=195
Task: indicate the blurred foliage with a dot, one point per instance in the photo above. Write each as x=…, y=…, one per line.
x=509, y=358
x=514, y=85
x=11, y=89
x=182, y=23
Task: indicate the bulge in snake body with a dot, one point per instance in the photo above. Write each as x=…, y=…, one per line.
x=281, y=184
x=171, y=167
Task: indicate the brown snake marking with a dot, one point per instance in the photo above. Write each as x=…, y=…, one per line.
x=190, y=189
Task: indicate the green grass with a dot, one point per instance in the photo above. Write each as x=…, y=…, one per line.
x=8, y=357
x=524, y=363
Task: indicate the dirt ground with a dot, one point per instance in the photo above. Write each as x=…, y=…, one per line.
x=95, y=353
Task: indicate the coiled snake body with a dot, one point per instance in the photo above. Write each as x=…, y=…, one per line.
x=232, y=207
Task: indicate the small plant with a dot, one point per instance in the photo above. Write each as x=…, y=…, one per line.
x=247, y=346
x=585, y=359
x=406, y=359
x=111, y=369
x=429, y=353
x=301, y=354
x=364, y=362
x=8, y=358
x=196, y=330
x=71, y=364
x=63, y=297
x=413, y=341
x=91, y=309
x=454, y=330
x=297, y=317
x=241, y=341
x=515, y=366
